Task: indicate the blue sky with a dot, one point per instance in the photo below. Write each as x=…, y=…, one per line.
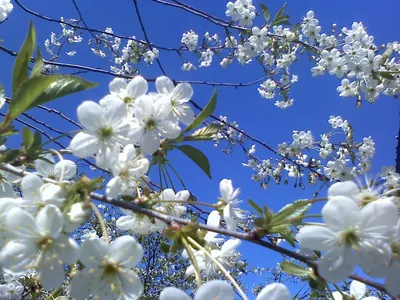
x=315, y=98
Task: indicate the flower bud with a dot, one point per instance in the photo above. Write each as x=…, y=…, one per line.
x=52, y=194
x=79, y=213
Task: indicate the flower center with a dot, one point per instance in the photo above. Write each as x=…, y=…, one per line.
x=110, y=268
x=128, y=100
x=44, y=243
x=350, y=238
x=151, y=125
x=105, y=133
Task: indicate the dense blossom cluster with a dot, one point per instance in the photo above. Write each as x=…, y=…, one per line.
x=365, y=233
x=5, y=9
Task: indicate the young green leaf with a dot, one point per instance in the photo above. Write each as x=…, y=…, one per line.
x=206, y=112
x=289, y=211
x=294, y=269
x=255, y=206
x=38, y=66
x=63, y=86
x=27, y=137
x=27, y=93
x=265, y=12
x=387, y=53
x=21, y=65
x=205, y=133
x=41, y=89
x=197, y=156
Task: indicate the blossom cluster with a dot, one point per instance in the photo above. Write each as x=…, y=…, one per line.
x=365, y=233
x=5, y=9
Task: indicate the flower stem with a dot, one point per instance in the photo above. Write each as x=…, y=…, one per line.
x=220, y=266
x=193, y=260
x=102, y=223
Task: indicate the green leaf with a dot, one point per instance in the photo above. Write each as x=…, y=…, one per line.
x=27, y=93
x=10, y=155
x=197, y=156
x=37, y=141
x=64, y=85
x=387, y=53
x=294, y=269
x=38, y=66
x=21, y=65
x=205, y=113
x=265, y=12
x=287, y=237
x=164, y=247
x=255, y=206
x=386, y=74
x=42, y=89
x=280, y=18
x=289, y=211
x=205, y=133
x=27, y=137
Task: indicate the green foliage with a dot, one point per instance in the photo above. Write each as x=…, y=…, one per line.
x=281, y=18
x=205, y=133
x=265, y=12
x=38, y=66
x=205, y=113
x=20, y=71
x=294, y=269
x=198, y=157
x=39, y=89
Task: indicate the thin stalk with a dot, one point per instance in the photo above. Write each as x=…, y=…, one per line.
x=193, y=260
x=220, y=266
x=102, y=224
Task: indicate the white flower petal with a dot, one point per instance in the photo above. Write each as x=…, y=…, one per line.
x=118, y=86
x=127, y=251
x=69, y=168
x=381, y=215
x=345, y=188
x=21, y=223
x=125, y=222
x=230, y=245
x=348, y=217
x=30, y=186
x=137, y=87
x=215, y=289
x=172, y=293
x=169, y=129
x=182, y=195
x=18, y=255
x=314, y=237
x=357, y=289
x=92, y=252
x=274, y=291
x=90, y=115
x=50, y=221
x=43, y=167
x=131, y=285
x=67, y=249
x=183, y=92
x=51, y=272
x=150, y=142
x=114, y=110
x=337, y=265
x=164, y=85
x=84, y=145
x=185, y=113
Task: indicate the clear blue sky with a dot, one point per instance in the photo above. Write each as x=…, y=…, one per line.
x=315, y=98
